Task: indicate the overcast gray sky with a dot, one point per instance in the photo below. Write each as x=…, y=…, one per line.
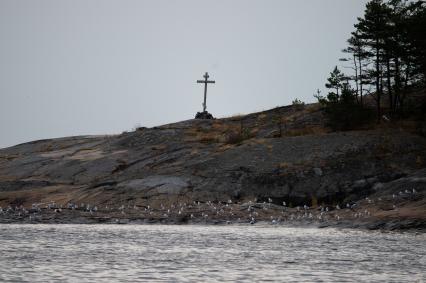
x=101, y=67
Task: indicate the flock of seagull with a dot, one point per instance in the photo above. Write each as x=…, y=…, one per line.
x=250, y=212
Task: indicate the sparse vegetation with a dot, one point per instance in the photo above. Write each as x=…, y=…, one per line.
x=243, y=133
x=278, y=120
x=298, y=104
x=343, y=110
x=314, y=130
x=387, y=58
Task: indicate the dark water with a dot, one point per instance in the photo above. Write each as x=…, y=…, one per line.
x=133, y=253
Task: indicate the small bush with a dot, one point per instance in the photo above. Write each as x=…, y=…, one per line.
x=233, y=138
x=343, y=112
x=298, y=104
x=238, y=137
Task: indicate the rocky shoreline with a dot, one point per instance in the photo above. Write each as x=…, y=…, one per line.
x=363, y=215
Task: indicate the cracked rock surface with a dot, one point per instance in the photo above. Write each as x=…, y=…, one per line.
x=235, y=159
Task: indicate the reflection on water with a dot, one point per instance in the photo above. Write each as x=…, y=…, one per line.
x=108, y=253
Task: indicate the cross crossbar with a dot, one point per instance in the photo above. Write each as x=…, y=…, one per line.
x=202, y=82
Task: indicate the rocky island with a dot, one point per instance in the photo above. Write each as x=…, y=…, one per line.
x=354, y=159
x=281, y=166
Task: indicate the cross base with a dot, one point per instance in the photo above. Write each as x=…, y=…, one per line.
x=203, y=115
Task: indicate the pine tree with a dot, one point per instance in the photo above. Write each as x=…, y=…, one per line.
x=388, y=57
x=416, y=37
x=335, y=81
x=357, y=49
x=372, y=30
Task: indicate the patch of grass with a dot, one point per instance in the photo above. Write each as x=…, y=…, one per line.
x=47, y=147
x=260, y=141
x=298, y=104
x=234, y=138
x=237, y=137
x=314, y=130
x=9, y=157
x=208, y=138
x=262, y=116
x=284, y=165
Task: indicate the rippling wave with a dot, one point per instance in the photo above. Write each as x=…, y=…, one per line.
x=166, y=253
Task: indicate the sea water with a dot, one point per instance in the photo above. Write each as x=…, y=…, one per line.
x=167, y=253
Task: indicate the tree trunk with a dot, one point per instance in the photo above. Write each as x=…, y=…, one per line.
x=389, y=84
x=360, y=76
x=356, y=79
x=378, y=88
x=397, y=96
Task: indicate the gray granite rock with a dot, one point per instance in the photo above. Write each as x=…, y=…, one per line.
x=188, y=158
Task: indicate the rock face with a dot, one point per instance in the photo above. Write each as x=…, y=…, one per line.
x=195, y=160
x=155, y=185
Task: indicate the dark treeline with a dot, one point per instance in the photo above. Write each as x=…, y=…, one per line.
x=387, y=54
